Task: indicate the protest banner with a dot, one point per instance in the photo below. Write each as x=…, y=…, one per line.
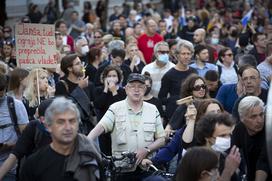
x=35, y=45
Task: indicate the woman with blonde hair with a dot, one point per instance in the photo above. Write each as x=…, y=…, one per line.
x=34, y=92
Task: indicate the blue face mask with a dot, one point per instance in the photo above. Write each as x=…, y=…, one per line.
x=164, y=58
x=214, y=41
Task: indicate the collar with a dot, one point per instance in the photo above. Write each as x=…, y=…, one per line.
x=129, y=108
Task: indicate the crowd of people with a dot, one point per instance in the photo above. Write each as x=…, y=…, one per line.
x=182, y=84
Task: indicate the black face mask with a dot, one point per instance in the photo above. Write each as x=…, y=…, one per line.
x=148, y=89
x=234, y=33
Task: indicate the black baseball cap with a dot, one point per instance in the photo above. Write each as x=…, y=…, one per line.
x=136, y=77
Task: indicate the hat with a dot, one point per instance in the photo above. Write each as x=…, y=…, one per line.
x=136, y=77
x=43, y=106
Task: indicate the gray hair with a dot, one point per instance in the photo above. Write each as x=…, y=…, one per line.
x=58, y=106
x=161, y=43
x=248, y=103
x=79, y=39
x=184, y=44
x=116, y=44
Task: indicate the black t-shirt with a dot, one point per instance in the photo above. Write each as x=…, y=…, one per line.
x=178, y=119
x=45, y=165
x=137, y=68
x=102, y=100
x=235, y=114
x=250, y=147
x=33, y=137
x=61, y=90
x=91, y=71
x=171, y=84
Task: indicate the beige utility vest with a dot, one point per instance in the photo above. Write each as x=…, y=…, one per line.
x=126, y=138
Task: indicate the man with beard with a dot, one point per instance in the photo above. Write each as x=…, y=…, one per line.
x=200, y=38
x=77, y=87
x=201, y=63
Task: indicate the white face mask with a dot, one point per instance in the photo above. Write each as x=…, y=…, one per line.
x=112, y=79
x=85, y=49
x=221, y=144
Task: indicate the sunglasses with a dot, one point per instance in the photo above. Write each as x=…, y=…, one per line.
x=163, y=52
x=198, y=87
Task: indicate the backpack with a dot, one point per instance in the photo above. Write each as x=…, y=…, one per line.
x=13, y=116
x=220, y=70
x=87, y=120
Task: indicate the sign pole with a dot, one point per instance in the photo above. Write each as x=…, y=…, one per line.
x=38, y=86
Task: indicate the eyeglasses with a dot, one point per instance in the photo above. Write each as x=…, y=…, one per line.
x=97, y=36
x=198, y=87
x=136, y=87
x=163, y=52
x=229, y=54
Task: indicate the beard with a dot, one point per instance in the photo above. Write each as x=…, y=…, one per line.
x=78, y=73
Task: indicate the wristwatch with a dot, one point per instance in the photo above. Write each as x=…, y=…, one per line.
x=147, y=149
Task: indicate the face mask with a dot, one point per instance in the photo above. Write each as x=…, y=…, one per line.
x=221, y=144
x=112, y=79
x=85, y=49
x=148, y=89
x=234, y=33
x=214, y=41
x=164, y=58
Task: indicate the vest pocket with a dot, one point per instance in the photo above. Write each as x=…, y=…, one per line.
x=121, y=132
x=149, y=131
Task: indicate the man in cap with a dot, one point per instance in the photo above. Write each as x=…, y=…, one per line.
x=135, y=126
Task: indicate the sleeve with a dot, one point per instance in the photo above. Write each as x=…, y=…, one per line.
x=100, y=98
x=25, y=143
x=21, y=112
x=164, y=90
x=221, y=95
x=107, y=121
x=235, y=113
x=98, y=73
x=262, y=163
x=264, y=77
x=160, y=109
x=168, y=152
x=178, y=120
